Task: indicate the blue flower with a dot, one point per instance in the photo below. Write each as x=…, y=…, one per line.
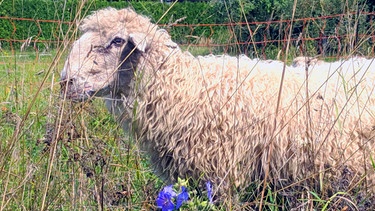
x=182, y=197
x=209, y=191
x=165, y=197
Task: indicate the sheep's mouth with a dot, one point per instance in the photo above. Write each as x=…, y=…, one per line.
x=76, y=97
x=75, y=93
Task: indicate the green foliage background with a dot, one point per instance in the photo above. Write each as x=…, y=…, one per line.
x=201, y=12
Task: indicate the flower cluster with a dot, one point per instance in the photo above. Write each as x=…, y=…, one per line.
x=169, y=200
x=167, y=196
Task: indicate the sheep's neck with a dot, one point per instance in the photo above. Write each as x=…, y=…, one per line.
x=158, y=58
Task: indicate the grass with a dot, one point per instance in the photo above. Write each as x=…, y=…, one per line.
x=83, y=162
x=55, y=155
x=64, y=156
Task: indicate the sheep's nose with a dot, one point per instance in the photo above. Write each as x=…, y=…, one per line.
x=66, y=82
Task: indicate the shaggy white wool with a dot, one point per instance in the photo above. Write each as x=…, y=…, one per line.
x=213, y=117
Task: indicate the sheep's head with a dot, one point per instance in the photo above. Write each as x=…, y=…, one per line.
x=108, y=49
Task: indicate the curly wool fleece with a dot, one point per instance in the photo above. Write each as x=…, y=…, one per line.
x=215, y=118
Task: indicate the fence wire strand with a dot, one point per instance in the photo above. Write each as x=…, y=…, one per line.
x=328, y=36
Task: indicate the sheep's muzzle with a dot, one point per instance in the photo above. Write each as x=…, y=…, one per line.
x=69, y=90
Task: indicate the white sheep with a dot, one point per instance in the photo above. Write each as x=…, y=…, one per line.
x=217, y=118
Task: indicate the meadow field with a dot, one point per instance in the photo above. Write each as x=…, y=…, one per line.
x=56, y=155
x=59, y=155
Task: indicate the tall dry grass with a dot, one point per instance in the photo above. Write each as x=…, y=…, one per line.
x=59, y=155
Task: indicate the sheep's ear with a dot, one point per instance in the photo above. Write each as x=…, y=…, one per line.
x=139, y=40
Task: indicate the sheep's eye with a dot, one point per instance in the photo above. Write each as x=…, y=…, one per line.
x=118, y=41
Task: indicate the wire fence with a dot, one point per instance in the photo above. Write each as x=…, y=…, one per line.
x=328, y=36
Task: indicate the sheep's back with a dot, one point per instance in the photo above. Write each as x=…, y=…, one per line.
x=214, y=118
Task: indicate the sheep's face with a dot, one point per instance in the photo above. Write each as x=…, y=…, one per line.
x=95, y=63
x=103, y=60
x=90, y=67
